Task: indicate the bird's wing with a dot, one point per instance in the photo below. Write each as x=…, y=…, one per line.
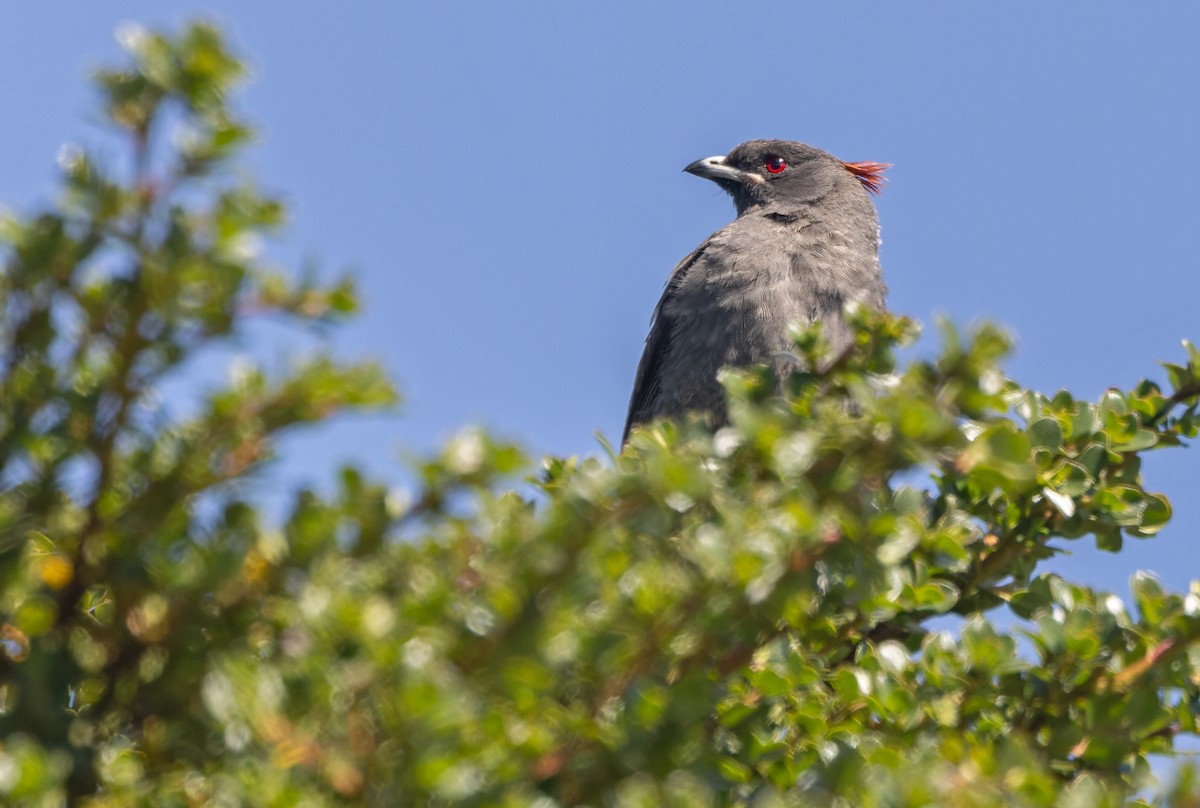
x=649, y=376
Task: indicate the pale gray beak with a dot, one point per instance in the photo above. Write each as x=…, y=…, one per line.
x=716, y=169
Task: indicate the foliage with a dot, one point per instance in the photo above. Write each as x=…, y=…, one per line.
x=751, y=617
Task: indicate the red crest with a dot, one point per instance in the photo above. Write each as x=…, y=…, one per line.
x=869, y=174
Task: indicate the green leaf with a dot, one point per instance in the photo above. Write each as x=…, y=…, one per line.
x=1032, y=600
x=1155, y=515
x=999, y=456
x=1149, y=596
x=1140, y=440
x=1045, y=433
x=1064, y=504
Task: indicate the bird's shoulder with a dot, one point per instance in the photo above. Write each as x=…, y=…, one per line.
x=719, y=252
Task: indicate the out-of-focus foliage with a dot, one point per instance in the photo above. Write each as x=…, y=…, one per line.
x=753, y=617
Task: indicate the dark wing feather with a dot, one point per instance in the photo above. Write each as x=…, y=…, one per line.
x=658, y=342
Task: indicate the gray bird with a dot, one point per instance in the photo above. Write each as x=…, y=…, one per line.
x=805, y=241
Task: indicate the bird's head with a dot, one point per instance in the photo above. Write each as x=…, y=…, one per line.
x=785, y=175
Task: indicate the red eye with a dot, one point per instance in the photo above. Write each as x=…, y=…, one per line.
x=775, y=164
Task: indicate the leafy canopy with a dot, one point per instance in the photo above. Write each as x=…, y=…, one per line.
x=752, y=617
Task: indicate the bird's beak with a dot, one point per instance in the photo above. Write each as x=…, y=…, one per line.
x=716, y=169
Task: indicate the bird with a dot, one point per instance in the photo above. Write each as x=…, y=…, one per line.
x=805, y=242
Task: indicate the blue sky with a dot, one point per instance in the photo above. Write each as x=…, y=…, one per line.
x=506, y=182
